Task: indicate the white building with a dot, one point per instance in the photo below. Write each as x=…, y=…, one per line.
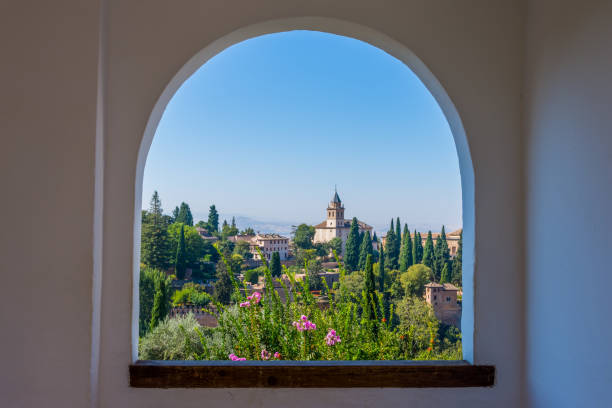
x=335, y=225
x=267, y=244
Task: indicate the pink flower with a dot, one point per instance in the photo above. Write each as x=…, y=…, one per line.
x=304, y=324
x=245, y=304
x=332, y=338
x=234, y=357
x=255, y=297
x=277, y=355
x=265, y=355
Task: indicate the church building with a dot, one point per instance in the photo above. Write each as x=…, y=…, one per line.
x=335, y=225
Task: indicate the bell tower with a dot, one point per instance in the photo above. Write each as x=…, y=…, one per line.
x=335, y=211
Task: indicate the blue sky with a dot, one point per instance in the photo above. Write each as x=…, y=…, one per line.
x=267, y=127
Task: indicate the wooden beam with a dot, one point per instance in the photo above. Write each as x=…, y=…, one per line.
x=309, y=374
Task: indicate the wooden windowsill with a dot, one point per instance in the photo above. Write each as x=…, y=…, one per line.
x=309, y=374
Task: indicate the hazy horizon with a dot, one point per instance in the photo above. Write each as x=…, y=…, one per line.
x=266, y=128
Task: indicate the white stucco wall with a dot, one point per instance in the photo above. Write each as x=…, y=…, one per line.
x=48, y=105
x=476, y=56
x=569, y=145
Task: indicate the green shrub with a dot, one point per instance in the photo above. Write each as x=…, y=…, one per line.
x=173, y=339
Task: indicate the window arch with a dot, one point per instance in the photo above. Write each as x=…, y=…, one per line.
x=369, y=36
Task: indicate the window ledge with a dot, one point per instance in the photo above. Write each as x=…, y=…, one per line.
x=309, y=374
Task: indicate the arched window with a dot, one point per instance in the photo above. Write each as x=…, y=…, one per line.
x=439, y=258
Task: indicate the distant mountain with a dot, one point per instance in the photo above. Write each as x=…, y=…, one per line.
x=262, y=226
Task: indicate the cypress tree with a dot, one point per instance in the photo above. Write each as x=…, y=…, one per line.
x=418, y=248
x=406, y=251
x=398, y=239
x=180, y=263
x=441, y=254
x=381, y=270
x=428, y=251
x=445, y=276
x=457, y=262
x=223, y=285
x=370, y=290
x=374, y=238
x=364, y=250
x=175, y=214
x=160, y=303
x=275, y=265
x=391, y=248
x=213, y=219
x=351, y=260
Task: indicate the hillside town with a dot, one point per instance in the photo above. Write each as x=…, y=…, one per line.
x=201, y=272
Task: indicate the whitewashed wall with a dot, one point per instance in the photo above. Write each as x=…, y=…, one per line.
x=49, y=111
x=569, y=222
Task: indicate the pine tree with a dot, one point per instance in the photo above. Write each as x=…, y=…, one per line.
x=160, y=303
x=428, y=251
x=445, y=276
x=365, y=249
x=155, y=208
x=223, y=285
x=457, y=263
x=351, y=259
x=275, y=265
x=155, y=244
x=180, y=262
x=213, y=219
x=381, y=270
x=406, y=251
x=184, y=215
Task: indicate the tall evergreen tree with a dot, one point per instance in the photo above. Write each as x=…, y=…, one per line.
x=374, y=237
x=161, y=303
x=275, y=265
x=381, y=270
x=445, y=276
x=213, y=219
x=180, y=261
x=365, y=249
x=155, y=208
x=457, y=263
x=175, y=214
x=417, y=252
x=223, y=285
x=155, y=244
x=406, y=251
x=370, y=292
x=398, y=239
x=351, y=260
x=428, y=251
x=391, y=248
x=233, y=222
x=441, y=254
x=184, y=215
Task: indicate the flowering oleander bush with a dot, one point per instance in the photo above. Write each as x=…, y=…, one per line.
x=262, y=327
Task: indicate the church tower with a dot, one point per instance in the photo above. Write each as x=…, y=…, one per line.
x=335, y=212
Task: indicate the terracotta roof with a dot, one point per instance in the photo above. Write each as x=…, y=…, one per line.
x=444, y=286
x=270, y=236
